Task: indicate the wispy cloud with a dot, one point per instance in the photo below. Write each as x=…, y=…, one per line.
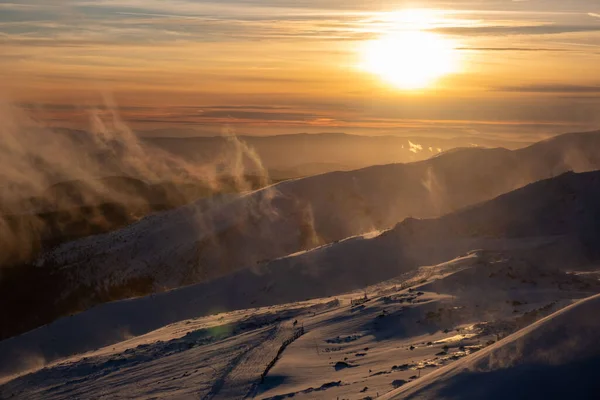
x=525, y=49
x=552, y=88
x=272, y=53
x=518, y=30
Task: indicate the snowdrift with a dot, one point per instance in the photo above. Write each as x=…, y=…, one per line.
x=555, y=358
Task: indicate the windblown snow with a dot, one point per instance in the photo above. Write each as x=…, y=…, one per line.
x=213, y=237
x=345, y=285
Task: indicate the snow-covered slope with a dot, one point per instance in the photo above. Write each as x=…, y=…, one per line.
x=347, y=346
x=214, y=237
x=555, y=358
x=565, y=241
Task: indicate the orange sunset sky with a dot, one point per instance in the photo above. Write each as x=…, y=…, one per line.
x=518, y=69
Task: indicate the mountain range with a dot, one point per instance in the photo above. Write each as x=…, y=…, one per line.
x=530, y=241
x=456, y=276
x=212, y=237
x=297, y=155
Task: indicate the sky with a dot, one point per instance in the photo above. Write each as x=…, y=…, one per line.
x=523, y=69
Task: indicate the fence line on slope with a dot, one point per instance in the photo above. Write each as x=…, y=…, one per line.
x=298, y=332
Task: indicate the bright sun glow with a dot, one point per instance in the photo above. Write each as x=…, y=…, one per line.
x=410, y=58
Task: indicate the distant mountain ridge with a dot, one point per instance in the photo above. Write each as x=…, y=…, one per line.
x=300, y=214
x=333, y=151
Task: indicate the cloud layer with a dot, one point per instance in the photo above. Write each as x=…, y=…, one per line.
x=172, y=60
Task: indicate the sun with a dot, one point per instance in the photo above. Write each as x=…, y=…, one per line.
x=410, y=59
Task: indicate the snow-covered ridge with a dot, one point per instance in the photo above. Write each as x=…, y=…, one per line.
x=352, y=264
x=211, y=238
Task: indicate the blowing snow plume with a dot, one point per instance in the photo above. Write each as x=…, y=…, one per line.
x=244, y=159
x=60, y=184
x=61, y=188
x=415, y=147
